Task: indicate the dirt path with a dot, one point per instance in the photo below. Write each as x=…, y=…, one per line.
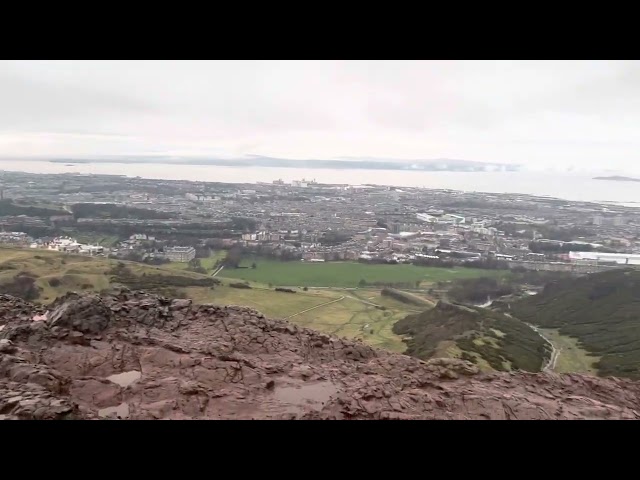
x=218, y=271
x=313, y=308
x=555, y=352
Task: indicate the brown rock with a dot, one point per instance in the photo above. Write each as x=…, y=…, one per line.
x=212, y=362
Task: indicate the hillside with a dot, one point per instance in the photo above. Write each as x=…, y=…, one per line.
x=42, y=276
x=602, y=311
x=489, y=339
x=138, y=356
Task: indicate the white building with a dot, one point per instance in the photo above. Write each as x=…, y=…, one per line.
x=619, y=258
x=425, y=217
x=180, y=254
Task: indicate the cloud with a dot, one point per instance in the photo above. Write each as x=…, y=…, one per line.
x=532, y=112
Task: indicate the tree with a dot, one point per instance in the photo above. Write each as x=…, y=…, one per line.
x=233, y=258
x=253, y=265
x=362, y=283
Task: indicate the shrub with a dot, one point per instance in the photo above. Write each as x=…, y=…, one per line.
x=55, y=282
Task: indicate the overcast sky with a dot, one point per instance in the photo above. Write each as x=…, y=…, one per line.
x=580, y=113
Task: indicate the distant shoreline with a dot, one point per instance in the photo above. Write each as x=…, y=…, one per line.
x=419, y=166
x=617, y=178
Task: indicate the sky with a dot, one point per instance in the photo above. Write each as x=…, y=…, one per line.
x=540, y=114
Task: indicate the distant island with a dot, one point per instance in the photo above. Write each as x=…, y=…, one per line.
x=617, y=178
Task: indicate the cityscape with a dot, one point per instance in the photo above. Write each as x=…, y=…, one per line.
x=308, y=221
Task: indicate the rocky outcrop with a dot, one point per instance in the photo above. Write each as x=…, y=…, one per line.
x=140, y=356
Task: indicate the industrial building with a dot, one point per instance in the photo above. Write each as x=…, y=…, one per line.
x=618, y=258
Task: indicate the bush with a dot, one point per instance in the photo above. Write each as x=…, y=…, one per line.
x=286, y=290
x=403, y=297
x=22, y=286
x=55, y=282
x=239, y=285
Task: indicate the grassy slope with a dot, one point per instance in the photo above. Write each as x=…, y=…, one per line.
x=476, y=334
x=345, y=274
x=601, y=311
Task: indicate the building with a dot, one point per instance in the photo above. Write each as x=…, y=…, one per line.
x=451, y=218
x=180, y=254
x=425, y=217
x=619, y=258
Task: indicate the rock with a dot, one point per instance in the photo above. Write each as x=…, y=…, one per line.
x=87, y=314
x=6, y=346
x=230, y=362
x=181, y=303
x=78, y=338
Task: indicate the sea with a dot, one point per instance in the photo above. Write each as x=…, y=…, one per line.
x=564, y=185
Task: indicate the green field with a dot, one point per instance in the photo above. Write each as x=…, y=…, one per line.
x=345, y=274
x=346, y=314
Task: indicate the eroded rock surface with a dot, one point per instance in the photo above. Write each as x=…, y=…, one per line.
x=140, y=356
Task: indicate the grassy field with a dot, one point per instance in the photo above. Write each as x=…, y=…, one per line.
x=572, y=358
x=345, y=274
x=350, y=314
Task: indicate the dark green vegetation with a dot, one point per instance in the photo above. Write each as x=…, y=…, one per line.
x=110, y=210
x=22, y=285
x=157, y=283
x=601, y=310
x=9, y=208
x=475, y=334
x=478, y=290
x=405, y=297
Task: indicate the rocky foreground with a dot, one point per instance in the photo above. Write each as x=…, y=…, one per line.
x=140, y=356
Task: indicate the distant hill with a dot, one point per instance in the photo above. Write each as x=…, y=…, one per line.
x=601, y=310
x=489, y=339
x=617, y=178
x=444, y=165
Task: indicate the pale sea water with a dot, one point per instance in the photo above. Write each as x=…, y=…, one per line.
x=569, y=186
